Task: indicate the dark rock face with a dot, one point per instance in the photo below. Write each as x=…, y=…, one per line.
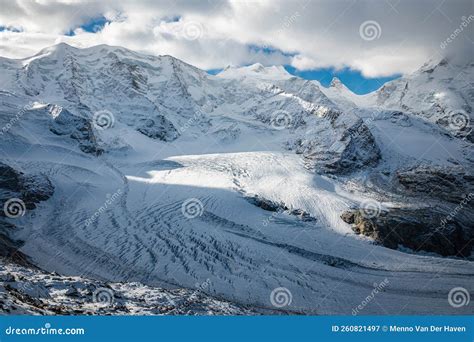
x=426, y=229
x=275, y=207
x=450, y=184
x=9, y=248
x=158, y=128
x=80, y=129
x=30, y=189
x=9, y=178
x=360, y=150
x=266, y=204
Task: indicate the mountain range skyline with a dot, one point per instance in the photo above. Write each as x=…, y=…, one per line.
x=364, y=43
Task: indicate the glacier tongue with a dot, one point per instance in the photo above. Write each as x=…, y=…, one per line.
x=168, y=176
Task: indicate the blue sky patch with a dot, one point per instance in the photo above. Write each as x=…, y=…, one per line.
x=214, y=71
x=268, y=50
x=9, y=28
x=352, y=79
x=94, y=25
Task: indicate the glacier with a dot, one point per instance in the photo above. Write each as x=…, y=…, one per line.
x=147, y=170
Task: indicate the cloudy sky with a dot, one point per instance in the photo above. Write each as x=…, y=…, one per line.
x=366, y=39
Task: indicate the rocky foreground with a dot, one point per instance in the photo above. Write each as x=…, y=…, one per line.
x=28, y=290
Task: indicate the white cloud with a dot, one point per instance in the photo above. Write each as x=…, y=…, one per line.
x=212, y=34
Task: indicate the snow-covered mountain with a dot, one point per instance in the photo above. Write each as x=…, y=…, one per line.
x=134, y=168
x=440, y=91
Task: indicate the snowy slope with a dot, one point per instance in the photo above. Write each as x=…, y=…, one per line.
x=340, y=94
x=239, y=178
x=440, y=92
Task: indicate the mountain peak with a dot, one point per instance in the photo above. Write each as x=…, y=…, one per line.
x=255, y=70
x=432, y=64
x=336, y=83
x=60, y=47
x=257, y=67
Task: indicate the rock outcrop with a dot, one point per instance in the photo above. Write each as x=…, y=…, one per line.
x=356, y=149
x=451, y=184
x=18, y=193
x=27, y=291
x=80, y=129
x=425, y=229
